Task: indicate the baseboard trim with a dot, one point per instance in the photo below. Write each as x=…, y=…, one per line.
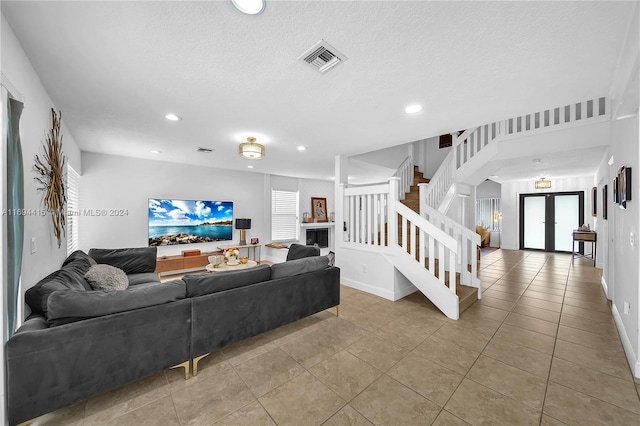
x=605, y=287
x=367, y=288
x=405, y=292
x=626, y=343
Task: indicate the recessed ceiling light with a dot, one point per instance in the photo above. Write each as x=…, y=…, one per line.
x=493, y=176
x=251, y=167
x=250, y=7
x=172, y=117
x=155, y=151
x=412, y=109
x=302, y=148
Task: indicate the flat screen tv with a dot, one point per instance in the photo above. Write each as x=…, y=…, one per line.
x=174, y=222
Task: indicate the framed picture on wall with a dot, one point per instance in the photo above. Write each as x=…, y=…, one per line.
x=625, y=185
x=604, y=201
x=616, y=193
x=319, y=209
x=594, y=201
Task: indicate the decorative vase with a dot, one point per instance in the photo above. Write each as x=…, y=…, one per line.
x=232, y=260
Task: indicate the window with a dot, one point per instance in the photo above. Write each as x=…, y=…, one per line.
x=489, y=213
x=284, y=215
x=73, y=209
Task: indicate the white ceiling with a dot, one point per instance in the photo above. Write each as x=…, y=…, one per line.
x=116, y=68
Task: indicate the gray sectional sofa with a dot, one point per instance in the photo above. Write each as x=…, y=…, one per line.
x=80, y=342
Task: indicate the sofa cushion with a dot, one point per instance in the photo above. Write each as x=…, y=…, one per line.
x=143, y=278
x=198, y=285
x=298, y=251
x=66, y=306
x=130, y=260
x=298, y=266
x=69, y=277
x=107, y=278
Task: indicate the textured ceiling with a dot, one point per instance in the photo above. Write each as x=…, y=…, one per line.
x=116, y=68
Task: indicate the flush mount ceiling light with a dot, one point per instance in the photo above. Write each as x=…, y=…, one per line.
x=172, y=117
x=250, y=7
x=302, y=148
x=543, y=184
x=413, y=109
x=155, y=151
x=251, y=150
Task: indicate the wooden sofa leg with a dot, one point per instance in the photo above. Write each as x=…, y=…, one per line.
x=337, y=310
x=196, y=361
x=186, y=367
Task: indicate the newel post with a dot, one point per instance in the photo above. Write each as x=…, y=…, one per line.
x=456, y=150
x=423, y=198
x=392, y=215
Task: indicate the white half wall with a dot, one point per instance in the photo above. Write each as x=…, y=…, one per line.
x=371, y=271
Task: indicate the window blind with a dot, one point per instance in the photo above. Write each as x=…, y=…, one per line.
x=284, y=215
x=488, y=213
x=73, y=209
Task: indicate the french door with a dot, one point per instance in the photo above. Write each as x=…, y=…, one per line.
x=547, y=220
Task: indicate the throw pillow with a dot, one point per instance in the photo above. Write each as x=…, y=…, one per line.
x=107, y=278
x=332, y=258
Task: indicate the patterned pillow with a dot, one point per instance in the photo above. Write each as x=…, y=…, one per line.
x=107, y=278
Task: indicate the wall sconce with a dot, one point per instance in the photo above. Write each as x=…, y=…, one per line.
x=543, y=184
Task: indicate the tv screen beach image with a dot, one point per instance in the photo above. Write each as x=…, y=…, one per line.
x=189, y=221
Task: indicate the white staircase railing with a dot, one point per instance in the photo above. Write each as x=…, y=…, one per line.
x=468, y=144
x=467, y=240
x=366, y=213
x=427, y=244
x=377, y=221
x=441, y=181
x=405, y=174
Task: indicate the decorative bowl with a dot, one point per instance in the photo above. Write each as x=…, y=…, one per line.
x=216, y=260
x=244, y=260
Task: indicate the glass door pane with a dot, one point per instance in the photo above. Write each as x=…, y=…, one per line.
x=566, y=220
x=534, y=226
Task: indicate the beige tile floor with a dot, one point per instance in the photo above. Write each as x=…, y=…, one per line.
x=541, y=347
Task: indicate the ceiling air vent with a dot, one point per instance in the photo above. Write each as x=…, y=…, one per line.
x=205, y=150
x=322, y=57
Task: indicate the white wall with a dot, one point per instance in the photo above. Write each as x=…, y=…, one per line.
x=307, y=188
x=387, y=157
x=429, y=156
x=371, y=272
x=489, y=189
x=622, y=271
x=510, y=195
x=121, y=183
x=34, y=123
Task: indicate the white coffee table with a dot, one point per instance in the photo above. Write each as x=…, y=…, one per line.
x=226, y=267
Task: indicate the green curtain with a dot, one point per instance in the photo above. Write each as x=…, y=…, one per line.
x=15, y=202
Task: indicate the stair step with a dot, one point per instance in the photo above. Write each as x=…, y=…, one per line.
x=466, y=296
x=412, y=204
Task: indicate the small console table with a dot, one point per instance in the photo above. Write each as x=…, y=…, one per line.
x=585, y=237
x=251, y=250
